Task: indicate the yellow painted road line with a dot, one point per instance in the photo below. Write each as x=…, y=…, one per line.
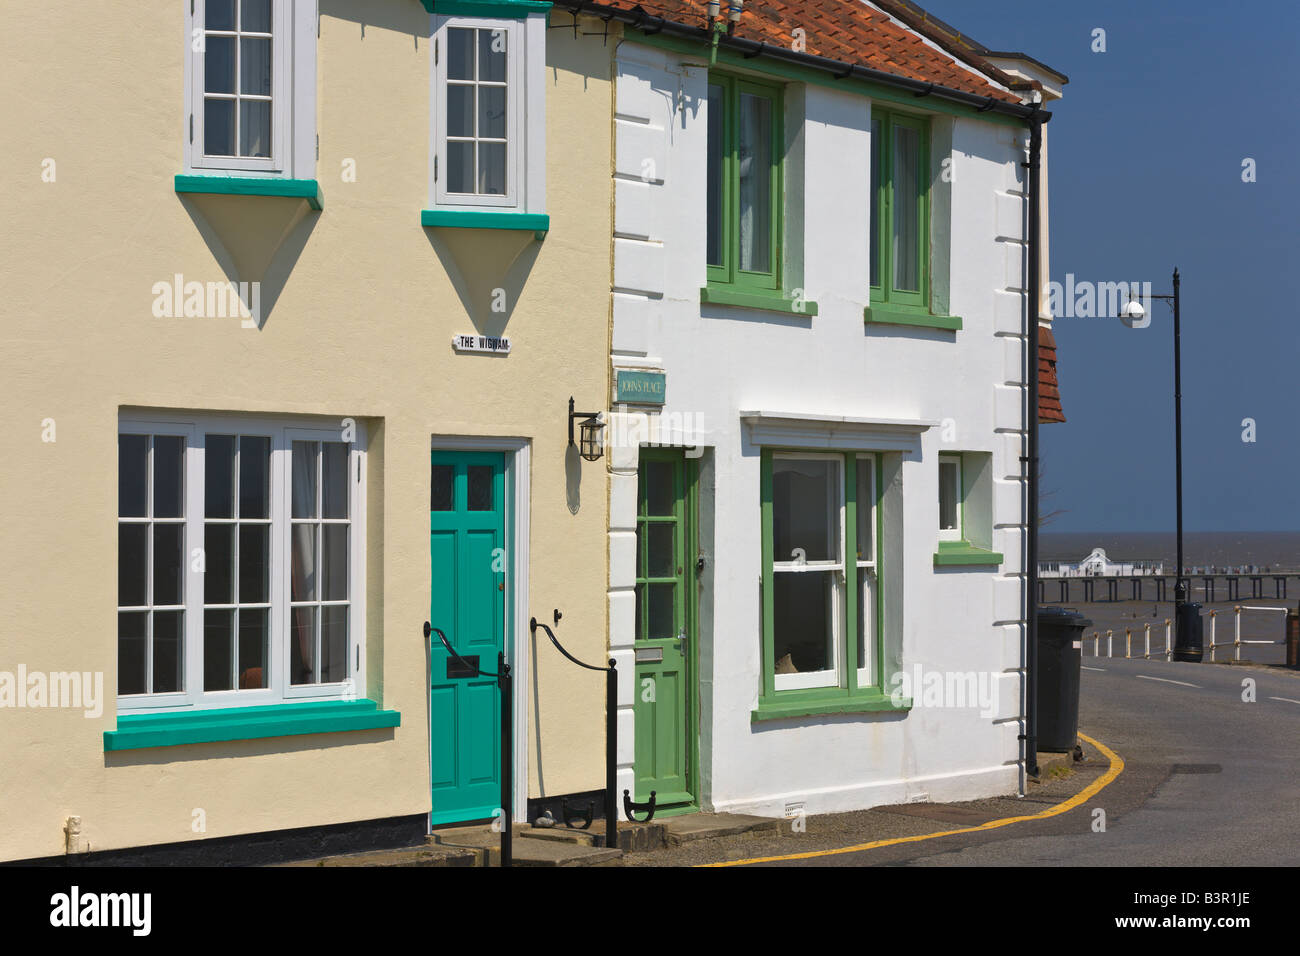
x=1084, y=795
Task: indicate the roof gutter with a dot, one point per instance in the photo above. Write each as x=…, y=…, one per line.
x=639, y=19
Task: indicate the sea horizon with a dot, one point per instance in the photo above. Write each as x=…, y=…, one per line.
x=1218, y=548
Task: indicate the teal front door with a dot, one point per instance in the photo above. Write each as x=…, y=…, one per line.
x=467, y=547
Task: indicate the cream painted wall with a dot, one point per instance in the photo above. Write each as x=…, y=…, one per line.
x=360, y=305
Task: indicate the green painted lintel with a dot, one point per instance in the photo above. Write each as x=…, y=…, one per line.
x=487, y=8
x=771, y=301
x=537, y=223
x=136, y=731
x=812, y=707
x=884, y=315
x=807, y=74
x=959, y=553
x=308, y=189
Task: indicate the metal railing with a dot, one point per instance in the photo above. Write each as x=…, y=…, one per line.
x=1212, y=645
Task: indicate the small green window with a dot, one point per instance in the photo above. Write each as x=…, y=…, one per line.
x=900, y=214
x=745, y=145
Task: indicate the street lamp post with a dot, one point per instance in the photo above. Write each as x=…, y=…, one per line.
x=1184, y=649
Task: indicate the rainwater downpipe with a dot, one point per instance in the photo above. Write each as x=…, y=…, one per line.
x=1030, y=738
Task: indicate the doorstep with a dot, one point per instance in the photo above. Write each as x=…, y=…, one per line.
x=718, y=826
x=405, y=856
x=485, y=844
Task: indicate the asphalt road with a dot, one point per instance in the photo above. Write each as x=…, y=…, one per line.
x=1210, y=779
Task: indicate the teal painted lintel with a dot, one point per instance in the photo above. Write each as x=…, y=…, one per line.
x=537, y=223
x=137, y=731
x=517, y=9
x=308, y=189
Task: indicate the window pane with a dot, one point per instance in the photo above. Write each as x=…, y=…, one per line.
x=334, y=562
x=492, y=55
x=254, y=477
x=660, y=543
x=168, y=540
x=254, y=563
x=755, y=161
x=303, y=573
x=867, y=625
x=168, y=651
x=460, y=110
x=662, y=622
x=219, y=476
x=866, y=514
x=640, y=622
x=302, y=645
x=492, y=112
x=805, y=510
x=802, y=605
x=333, y=644
x=460, y=54
x=254, y=66
x=168, y=476
x=874, y=235
x=218, y=644
x=304, y=479
x=220, y=14
x=492, y=169
x=255, y=16
x=219, y=127
x=219, y=564
x=254, y=638
x=661, y=496
x=948, y=496
x=713, y=242
x=219, y=65
x=132, y=629
x=132, y=565
x=480, y=487
x=460, y=167
x=334, y=474
x=254, y=128
x=907, y=206
x=442, y=488
x=132, y=476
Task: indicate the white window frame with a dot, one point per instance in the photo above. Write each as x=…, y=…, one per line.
x=870, y=587
x=293, y=96
x=951, y=534
x=835, y=518
x=526, y=114
x=282, y=430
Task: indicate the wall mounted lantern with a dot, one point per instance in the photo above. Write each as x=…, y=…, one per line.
x=591, y=446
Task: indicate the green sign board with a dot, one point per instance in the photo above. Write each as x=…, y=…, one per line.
x=640, y=388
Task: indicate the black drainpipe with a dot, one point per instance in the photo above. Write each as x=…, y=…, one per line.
x=1031, y=490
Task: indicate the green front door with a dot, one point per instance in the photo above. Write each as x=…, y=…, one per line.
x=467, y=547
x=665, y=630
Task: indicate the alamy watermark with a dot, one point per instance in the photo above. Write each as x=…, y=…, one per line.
x=1092, y=300
x=946, y=690
x=208, y=300
x=669, y=430
x=38, y=689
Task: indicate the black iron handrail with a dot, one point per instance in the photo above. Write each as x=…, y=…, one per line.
x=506, y=684
x=611, y=728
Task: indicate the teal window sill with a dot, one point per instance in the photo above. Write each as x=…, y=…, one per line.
x=487, y=8
x=136, y=731
x=887, y=315
x=814, y=704
x=767, y=301
x=958, y=553
x=537, y=223
x=308, y=189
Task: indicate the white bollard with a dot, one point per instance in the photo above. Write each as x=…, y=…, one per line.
x=1169, y=651
x=1146, y=637
x=1110, y=643
x=1128, y=643
x=1213, y=615
x=1237, y=642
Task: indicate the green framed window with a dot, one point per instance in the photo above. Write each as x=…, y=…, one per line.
x=900, y=211
x=745, y=149
x=821, y=608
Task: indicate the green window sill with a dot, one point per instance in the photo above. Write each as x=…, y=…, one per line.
x=136, y=731
x=887, y=315
x=537, y=223
x=487, y=8
x=814, y=704
x=957, y=553
x=308, y=189
x=767, y=301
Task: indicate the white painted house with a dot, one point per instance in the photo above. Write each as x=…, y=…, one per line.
x=819, y=356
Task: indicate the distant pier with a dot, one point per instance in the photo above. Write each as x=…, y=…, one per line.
x=1261, y=583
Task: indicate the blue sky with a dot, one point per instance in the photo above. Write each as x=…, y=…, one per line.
x=1146, y=174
